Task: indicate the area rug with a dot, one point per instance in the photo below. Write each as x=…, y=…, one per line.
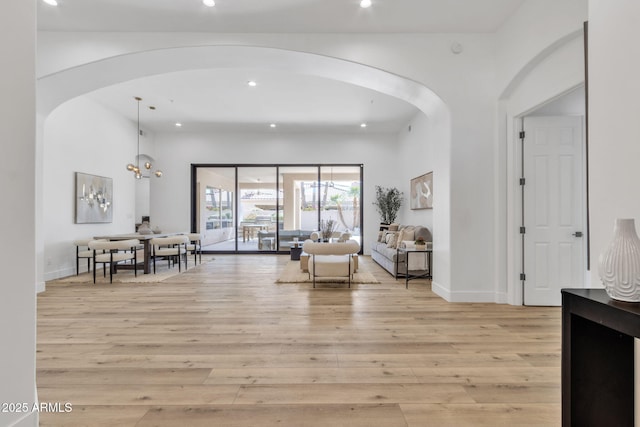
x=127, y=276
x=293, y=274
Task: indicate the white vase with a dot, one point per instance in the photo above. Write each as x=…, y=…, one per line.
x=619, y=264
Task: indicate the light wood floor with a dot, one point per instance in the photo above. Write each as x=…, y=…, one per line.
x=223, y=345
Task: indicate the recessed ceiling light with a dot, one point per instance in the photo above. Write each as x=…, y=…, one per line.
x=365, y=3
x=209, y=3
x=252, y=83
x=363, y=125
x=178, y=125
x=272, y=125
x=51, y=2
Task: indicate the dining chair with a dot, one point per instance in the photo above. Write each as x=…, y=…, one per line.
x=83, y=252
x=112, y=252
x=195, y=246
x=173, y=247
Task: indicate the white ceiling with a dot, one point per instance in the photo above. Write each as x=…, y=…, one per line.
x=281, y=16
x=221, y=100
x=210, y=100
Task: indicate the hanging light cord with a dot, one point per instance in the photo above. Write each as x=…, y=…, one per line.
x=138, y=157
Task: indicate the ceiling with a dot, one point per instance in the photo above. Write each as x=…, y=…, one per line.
x=221, y=100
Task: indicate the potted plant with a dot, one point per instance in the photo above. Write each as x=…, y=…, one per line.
x=327, y=228
x=388, y=202
x=420, y=243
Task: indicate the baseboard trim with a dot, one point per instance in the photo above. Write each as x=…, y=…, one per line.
x=58, y=274
x=464, y=296
x=501, y=298
x=441, y=291
x=41, y=287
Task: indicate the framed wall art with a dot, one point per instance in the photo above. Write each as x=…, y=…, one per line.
x=422, y=192
x=94, y=199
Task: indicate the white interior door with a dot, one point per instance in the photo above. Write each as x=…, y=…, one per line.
x=554, y=208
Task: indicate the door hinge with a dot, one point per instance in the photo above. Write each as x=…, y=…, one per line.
x=522, y=230
x=521, y=134
x=522, y=181
x=523, y=276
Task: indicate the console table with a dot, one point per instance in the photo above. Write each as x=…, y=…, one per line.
x=598, y=335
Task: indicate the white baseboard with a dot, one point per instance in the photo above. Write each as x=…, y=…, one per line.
x=464, y=296
x=501, y=298
x=58, y=274
x=442, y=292
x=41, y=287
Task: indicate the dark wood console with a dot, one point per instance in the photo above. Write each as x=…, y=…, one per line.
x=598, y=358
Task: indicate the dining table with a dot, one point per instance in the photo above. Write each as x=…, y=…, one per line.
x=145, y=239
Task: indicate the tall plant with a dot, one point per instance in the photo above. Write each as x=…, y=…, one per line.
x=388, y=202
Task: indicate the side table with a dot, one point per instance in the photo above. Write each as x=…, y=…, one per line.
x=296, y=250
x=418, y=274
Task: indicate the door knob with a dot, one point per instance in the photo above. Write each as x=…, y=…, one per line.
x=578, y=234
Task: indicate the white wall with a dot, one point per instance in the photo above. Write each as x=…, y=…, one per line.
x=416, y=156
x=537, y=27
x=614, y=90
x=17, y=216
x=82, y=136
x=540, y=57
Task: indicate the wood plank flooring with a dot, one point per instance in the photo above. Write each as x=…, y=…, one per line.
x=224, y=345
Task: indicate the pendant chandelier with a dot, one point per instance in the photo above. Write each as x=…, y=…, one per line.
x=135, y=168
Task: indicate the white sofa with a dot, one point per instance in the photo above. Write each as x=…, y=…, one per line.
x=331, y=259
x=384, y=251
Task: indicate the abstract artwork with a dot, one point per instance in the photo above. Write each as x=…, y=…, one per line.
x=422, y=192
x=94, y=199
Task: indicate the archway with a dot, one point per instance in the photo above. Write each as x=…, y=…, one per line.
x=59, y=87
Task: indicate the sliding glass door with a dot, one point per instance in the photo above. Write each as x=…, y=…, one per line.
x=257, y=208
x=298, y=212
x=340, y=197
x=266, y=208
x=215, y=207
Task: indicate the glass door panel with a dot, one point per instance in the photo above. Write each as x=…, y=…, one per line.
x=216, y=208
x=298, y=204
x=340, y=188
x=257, y=208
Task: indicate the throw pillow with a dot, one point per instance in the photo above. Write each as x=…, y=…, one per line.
x=400, y=238
x=409, y=233
x=393, y=239
x=394, y=227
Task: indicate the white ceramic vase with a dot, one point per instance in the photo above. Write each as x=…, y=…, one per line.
x=619, y=264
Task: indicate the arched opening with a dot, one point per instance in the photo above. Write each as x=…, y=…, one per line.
x=58, y=88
